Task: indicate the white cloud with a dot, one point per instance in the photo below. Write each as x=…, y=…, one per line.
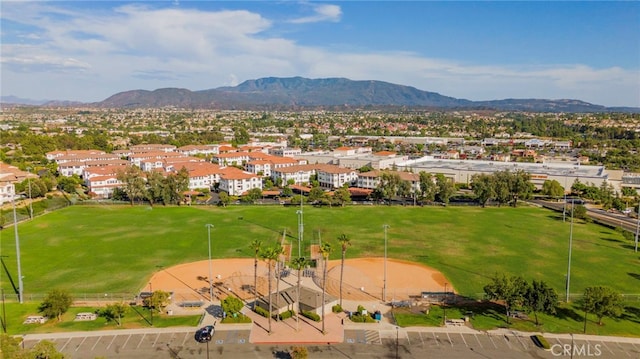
x=323, y=12
x=91, y=55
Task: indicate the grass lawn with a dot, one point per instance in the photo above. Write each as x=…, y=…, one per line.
x=486, y=316
x=115, y=249
x=137, y=317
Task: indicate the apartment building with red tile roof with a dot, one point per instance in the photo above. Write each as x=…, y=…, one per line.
x=236, y=182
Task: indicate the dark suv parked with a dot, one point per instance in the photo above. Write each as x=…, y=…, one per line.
x=204, y=334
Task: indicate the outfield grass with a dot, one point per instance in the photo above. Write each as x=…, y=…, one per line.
x=115, y=249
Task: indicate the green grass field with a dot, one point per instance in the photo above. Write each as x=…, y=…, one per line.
x=115, y=249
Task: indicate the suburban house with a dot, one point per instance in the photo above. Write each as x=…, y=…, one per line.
x=236, y=182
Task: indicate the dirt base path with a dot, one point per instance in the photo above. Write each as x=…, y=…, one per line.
x=363, y=279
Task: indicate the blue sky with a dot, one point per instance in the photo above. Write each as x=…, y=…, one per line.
x=89, y=50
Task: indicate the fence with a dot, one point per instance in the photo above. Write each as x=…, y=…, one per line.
x=77, y=297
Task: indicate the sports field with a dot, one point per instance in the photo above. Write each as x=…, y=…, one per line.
x=116, y=249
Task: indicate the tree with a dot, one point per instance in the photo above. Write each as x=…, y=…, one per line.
x=520, y=186
x=501, y=187
x=231, y=305
x=325, y=250
x=388, y=185
x=115, y=312
x=225, y=199
x=580, y=211
x=510, y=290
x=483, y=187
x=342, y=196
x=298, y=264
x=133, y=183
x=154, y=185
x=56, y=303
x=45, y=350
x=256, y=246
x=253, y=195
x=299, y=352
x=316, y=194
x=445, y=188
x=344, y=243
x=601, y=301
x=540, y=297
x=269, y=255
x=427, y=187
x=158, y=300
x=552, y=188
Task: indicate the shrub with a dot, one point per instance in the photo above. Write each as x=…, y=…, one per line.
x=359, y=318
x=240, y=318
x=299, y=353
x=336, y=308
x=287, y=314
x=263, y=312
x=361, y=309
x=540, y=341
x=311, y=315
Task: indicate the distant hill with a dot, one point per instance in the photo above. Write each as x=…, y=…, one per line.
x=331, y=93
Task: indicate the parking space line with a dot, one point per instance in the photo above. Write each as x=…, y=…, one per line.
x=606, y=346
x=463, y=340
x=186, y=335
x=141, y=339
x=154, y=342
x=126, y=341
x=506, y=339
x=112, y=340
x=492, y=342
x=435, y=338
x=521, y=342
x=406, y=333
x=622, y=349
x=635, y=347
x=65, y=344
x=96, y=343
x=450, y=342
x=559, y=342
x=79, y=345
x=478, y=340
x=421, y=338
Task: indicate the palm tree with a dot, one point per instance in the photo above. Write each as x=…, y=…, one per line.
x=256, y=245
x=269, y=254
x=299, y=263
x=278, y=250
x=344, y=243
x=325, y=249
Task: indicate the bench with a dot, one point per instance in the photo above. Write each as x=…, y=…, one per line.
x=191, y=304
x=456, y=322
x=85, y=316
x=35, y=319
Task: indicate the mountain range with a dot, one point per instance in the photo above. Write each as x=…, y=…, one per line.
x=296, y=93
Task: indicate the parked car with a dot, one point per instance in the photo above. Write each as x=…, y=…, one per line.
x=204, y=334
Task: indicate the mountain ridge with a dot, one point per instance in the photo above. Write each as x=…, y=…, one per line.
x=295, y=93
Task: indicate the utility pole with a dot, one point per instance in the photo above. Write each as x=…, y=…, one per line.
x=15, y=228
x=569, y=259
x=384, y=282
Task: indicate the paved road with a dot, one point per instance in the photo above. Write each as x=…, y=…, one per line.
x=358, y=343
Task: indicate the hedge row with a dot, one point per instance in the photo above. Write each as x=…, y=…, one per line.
x=311, y=315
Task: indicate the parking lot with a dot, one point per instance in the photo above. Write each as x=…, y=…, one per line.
x=374, y=343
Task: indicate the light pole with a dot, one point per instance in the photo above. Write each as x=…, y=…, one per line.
x=569, y=259
x=637, y=227
x=444, y=305
x=15, y=229
x=210, y=271
x=384, y=282
x=299, y=213
x=30, y=199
